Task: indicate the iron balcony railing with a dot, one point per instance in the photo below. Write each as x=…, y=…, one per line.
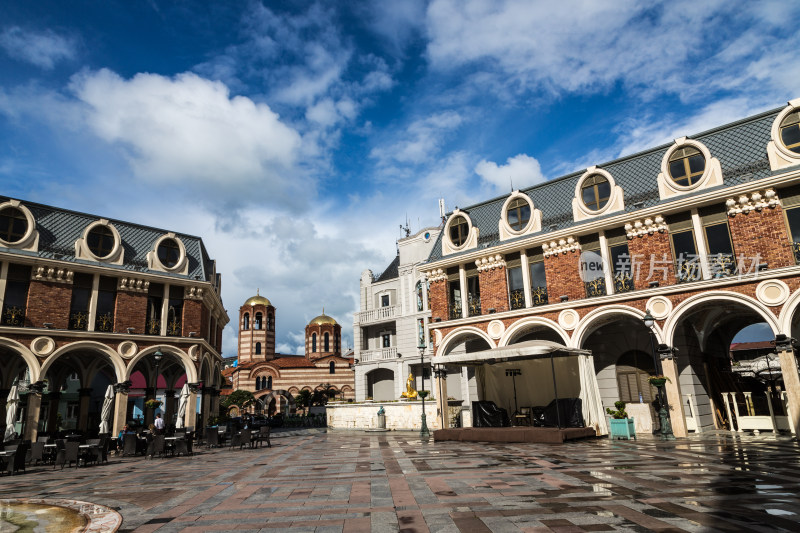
x=13, y=315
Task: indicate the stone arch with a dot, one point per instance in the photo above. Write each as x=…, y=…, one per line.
x=595, y=318
x=206, y=374
x=188, y=365
x=114, y=358
x=519, y=327
x=685, y=307
x=30, y=360
x=268, y=397
x=458, y=333
x=787, y=313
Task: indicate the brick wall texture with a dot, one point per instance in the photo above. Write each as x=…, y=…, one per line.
x=438, y=300
x=563, y=277
x=494, y=290
x=130, y=312
x=764, y=234
x=48, y=302
x=651, y=256
x=193, y=317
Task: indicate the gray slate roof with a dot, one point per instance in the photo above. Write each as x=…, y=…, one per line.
x=60, y=228
x=391, y=272
x=741, y=148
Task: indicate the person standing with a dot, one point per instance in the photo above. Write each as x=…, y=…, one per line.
x=159, y=424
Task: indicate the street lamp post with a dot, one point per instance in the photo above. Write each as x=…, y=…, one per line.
x=663, y=411
x=424, y=432
x=157, y=355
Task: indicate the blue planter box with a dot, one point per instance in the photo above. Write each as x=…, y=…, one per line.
x=622, y=428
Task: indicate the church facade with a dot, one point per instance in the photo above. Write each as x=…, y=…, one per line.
x=275, y=379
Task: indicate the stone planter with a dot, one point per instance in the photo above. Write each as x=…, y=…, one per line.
x=622, y=428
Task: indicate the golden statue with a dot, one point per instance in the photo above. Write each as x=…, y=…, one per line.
x=410, y=392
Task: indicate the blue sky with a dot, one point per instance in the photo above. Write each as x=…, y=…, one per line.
x=296, y=137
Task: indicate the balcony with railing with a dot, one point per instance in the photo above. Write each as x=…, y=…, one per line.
x=381, y=314
x=379, y=355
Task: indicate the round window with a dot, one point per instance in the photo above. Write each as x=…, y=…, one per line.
x=459, y=229
x=13, y=225
x=169, y=253
x=595, y=192
x=790, y=131
x=518, y=214
x=686, y=166
x=100, y=241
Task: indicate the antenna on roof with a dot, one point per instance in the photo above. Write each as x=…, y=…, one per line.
x=441, y=208
x=512, y=183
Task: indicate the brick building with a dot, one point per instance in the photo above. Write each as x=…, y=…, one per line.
x=275, y=379
x=89, y=302
x=703, y=232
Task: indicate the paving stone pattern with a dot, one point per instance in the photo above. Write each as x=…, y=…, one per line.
x=351, y=481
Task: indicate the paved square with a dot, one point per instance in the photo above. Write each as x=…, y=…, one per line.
x=352, y=481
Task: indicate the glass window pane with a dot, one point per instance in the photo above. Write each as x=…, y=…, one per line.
x=697, y=163
x=513, y=219
x=793, y=217
x=588, y=197
x=791, y=136
x=537, y=274
x=718, y=239
x=604, y=191
x=515, y=278
x=677, y=170
x=683, y=243
x=620, y=258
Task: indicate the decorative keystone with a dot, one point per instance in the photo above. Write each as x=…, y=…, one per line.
x=563, y=246
x=755, y=201
x=644, y=227
x=490, y=262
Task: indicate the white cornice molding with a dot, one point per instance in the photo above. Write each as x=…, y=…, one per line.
x=562, y=246
x=754, y=201
x=648, y=226
x=490, y=262
x=52, y=274
x=682, y=203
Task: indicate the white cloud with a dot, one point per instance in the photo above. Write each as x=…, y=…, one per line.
x=419, y=141
x=522, y=170
x=43, y=49
x=188, y=129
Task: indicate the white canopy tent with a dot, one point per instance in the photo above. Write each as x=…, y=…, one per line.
x=549, y=370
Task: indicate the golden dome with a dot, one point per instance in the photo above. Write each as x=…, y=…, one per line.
x=257, y=300
x=323, y=319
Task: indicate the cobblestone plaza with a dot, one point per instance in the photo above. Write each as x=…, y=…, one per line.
x=394, y=482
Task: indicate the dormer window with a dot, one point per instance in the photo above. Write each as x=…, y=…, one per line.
x=518, y=214
x=169, y=253
x=459, y=231
x=790, y=131
x=686, y=166
x=13, y=225
x=100, y=241
x=595, y=192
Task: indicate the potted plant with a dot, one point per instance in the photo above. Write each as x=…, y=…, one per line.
x=621, y=425
x=153, y=404
x=658, y=381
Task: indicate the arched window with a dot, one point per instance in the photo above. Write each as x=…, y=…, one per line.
x=313, y=342
x=258, y=383
x=459, y=229
x=336, y=343
x=257, y=323
x=270, y=322
x=269, y=383
x=595, y=192
x=518, y=214
x=327, y=342
x=332, y=367
x=246, y=321
x=419, y=296
x=258, y=348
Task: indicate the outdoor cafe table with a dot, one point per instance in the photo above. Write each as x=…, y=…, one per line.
x=50, y=452
x=3, y=455
x=88, y=448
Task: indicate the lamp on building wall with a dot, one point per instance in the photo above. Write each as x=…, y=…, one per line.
x=157, y=355
x=130, y=330
x=564, y=298
x=193, y=334
x=424, y=432
x=663, y=411
x=653, y=284
x=48, y=325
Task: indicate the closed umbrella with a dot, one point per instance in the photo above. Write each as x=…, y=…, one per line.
x=182, y=405
x=11, y=413
x=105, y=416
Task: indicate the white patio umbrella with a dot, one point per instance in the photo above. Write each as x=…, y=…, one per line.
x=11, y=413
x=182, y=405
x=105, y=415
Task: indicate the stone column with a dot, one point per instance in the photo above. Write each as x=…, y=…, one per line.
x=120, y=407
x=791, y=380
x=673, y=390
x=169, y=406
x=3, y=395
x=83, y=409
x=31, y=429
x=214, y=403
x=53, y=398
x=205, y=410
x=190, y=418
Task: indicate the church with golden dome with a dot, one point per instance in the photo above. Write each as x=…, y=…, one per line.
x=274, y=378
